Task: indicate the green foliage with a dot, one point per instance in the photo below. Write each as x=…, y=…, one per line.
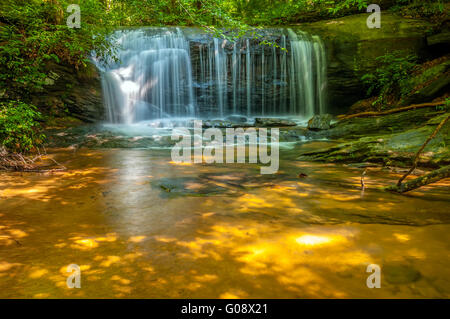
x=420, y=8
x=35, y=33
x=391, y=79
x=19, y=127
x=346, y=5
x=444, y=106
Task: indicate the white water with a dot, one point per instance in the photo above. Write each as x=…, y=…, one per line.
x=163, y=73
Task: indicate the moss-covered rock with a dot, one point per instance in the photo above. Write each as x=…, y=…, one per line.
x=320, y=122
x=429, y=84
x=366, y=126
x=396, y=148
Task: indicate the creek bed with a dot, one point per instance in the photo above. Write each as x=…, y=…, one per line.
x=246, y=235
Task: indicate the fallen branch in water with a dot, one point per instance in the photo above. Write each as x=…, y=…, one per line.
x=363, y=185
x=11, y=238
x=416, y=157
x=429, y=178
x=397, y=110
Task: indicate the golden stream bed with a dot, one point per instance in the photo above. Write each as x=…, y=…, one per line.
x=242, y=236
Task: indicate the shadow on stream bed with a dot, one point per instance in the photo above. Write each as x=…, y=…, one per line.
x=245, y=235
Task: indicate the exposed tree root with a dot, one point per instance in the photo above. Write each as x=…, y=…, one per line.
x=19, y=162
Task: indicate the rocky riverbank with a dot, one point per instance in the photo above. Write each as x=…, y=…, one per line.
x=390, y=140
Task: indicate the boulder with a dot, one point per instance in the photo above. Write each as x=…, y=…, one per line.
x=359, y=127
x=320, y=122
x=390, y=140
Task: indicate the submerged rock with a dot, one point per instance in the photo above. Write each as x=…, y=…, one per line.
x=320, y=122
x=190, y=186
x=400, y=274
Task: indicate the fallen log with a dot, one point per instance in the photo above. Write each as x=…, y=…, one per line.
x=397, y=110
x=429, y=178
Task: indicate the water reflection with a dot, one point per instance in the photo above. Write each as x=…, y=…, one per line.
x=255, y=236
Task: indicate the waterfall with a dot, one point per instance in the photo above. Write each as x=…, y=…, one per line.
x=174, y=72
x=153, y=78
x=307, y=73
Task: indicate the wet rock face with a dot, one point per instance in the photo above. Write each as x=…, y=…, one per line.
x=78, y=93
x=430, y=84
x=320, y=122
x=250, y=78
x=273, y=122
x=268, y=88
x=352, y=48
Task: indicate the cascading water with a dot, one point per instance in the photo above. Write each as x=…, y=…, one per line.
x=185, y=73
x=307, y=73
x=153, y=78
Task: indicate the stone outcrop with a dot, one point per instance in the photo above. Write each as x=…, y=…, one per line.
x=390, y=140
x=78, y=93
x=352, y=49
x=430, y=84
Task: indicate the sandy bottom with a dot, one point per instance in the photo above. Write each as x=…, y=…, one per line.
x=242, y=235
